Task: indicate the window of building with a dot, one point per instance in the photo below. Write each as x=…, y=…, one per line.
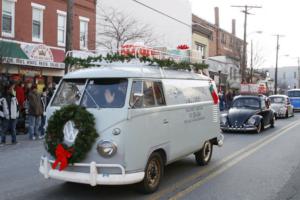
x=231, y=42
x=37, y=22
x=61, y=28
x=284, y=75
x=295, y=75
x=201, y=48
x=84, y=32
x=223, y=39
x=8, y=18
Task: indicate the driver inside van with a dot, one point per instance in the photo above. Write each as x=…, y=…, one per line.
x=109, y=96
x=113, y=98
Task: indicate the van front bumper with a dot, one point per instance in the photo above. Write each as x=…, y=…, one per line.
x=93, y=177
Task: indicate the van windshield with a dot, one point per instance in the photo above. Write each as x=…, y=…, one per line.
x=105, y=93
x=294, y=93
x=69, y=92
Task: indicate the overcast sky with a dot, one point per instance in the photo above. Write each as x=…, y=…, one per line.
x=275, y=17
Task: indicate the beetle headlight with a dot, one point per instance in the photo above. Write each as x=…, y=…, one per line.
x=223, y=119
x=251, y=121
x=106, y=148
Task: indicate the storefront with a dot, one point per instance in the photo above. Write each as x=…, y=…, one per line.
x=31, y=63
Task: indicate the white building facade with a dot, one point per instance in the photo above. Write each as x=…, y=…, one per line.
x=170, y=20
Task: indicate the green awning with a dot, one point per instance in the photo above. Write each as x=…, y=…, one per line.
x=11, y=50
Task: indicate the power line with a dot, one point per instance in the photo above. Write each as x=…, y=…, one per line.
x=162, y=13
x=246, y=12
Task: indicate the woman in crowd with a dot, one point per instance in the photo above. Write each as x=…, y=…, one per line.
x=9, y=113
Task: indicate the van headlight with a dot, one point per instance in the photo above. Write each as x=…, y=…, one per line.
x=106, y=148
x=251, y=121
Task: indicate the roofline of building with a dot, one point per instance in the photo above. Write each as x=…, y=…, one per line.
x=213, y=26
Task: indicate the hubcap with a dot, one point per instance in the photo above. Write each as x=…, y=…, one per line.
x=153, y=172
x=207, y=151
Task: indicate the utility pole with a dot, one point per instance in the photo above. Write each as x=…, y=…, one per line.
x=69, y=32
x=298, y=72
x=244, y=63
x=276, y=66
x=251, y=64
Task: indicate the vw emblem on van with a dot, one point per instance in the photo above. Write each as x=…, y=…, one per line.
x=70, y=133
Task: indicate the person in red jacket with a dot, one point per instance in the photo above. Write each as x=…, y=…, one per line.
x=20, y=94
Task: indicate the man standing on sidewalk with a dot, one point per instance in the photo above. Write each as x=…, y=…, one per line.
x=9, y=113
x=35, y=112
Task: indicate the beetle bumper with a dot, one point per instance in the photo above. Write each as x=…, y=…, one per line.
x=241, y=128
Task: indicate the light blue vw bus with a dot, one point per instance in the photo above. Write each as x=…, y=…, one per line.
x=294, y=96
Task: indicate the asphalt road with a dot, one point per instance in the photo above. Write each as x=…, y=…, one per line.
x=248, y=166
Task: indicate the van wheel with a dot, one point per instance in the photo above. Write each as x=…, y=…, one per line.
x=153, y=174
x=204, y=155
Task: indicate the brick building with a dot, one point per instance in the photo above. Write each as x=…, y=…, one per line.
x=224, y=51
x=33, y=37
x=222, y=42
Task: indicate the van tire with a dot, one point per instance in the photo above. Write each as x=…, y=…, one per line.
x=153, y=174
x=203, y=156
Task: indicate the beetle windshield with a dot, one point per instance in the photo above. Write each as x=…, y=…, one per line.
x=69, y=92
x=105, y=93
x=278, y=100
x=246, y=103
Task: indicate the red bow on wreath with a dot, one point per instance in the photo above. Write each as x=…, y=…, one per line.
x=62, y=157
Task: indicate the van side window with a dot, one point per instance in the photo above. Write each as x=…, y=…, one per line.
x=159, y=94
x=145, y=94
x=148, y=94
x=137, y=88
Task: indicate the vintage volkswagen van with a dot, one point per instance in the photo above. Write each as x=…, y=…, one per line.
x=158, y=117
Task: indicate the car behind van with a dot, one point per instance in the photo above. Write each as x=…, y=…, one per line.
x=146, y=118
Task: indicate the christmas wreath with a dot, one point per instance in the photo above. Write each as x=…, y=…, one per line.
x=82, y=132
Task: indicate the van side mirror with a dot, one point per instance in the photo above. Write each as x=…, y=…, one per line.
x=136, y=98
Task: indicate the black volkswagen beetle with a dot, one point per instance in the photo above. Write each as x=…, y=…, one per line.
x=248, y=113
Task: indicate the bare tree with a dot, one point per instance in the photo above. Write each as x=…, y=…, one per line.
x=258, y=58
x=117, y=29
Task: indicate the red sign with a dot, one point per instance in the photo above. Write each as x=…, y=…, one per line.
x=130, y=49
x=253, y=89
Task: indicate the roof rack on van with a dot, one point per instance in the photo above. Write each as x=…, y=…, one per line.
x=134, y=54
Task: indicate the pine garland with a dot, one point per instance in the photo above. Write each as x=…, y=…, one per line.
x=116, y=57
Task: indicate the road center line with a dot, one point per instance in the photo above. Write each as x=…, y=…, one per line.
x=211, y=168
x=232, y=162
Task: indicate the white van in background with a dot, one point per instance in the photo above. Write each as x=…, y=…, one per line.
x=159, y=116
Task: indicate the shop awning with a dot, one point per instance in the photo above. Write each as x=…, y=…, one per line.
x=11, y=50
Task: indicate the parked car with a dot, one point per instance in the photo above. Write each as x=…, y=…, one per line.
x=281, y=106
x=294, y=96
x=248, y=113
x=163, y=115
